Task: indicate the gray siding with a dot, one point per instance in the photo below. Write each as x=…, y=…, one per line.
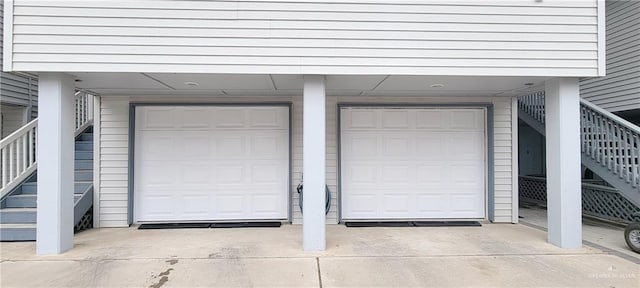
x=19, y=90
x=620, y=89
x=492, y=37
x=12, y=118
x=16, y=89
x=114, y=133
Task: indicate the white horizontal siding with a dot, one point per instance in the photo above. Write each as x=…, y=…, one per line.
x=1, y=33
x=620, y=89
x=519, y=37
x=114, y=152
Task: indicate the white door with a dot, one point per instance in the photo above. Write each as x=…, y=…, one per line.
x=199, y=163
x=412, y=163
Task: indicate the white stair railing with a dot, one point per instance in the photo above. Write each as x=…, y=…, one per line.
x=18, y=156
x=84, y=111
x=18, y=150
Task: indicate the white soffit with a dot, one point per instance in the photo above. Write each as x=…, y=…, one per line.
x=215, y=81
x=131, y=81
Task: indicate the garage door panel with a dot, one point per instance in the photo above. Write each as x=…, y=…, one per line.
x=392, y=119
x=159, y=146
x=197, y=205
x=229, y=173
x=194, y=118
x=158, y=173
x=412, y=163
x=157, y=118
x=230, y=146
x=465, y=145
x=465, y=174
x=195, y=174
x=430, y=174
x=230, y=206
x=361, y=146
x=397, y=174
x=268, y=146
x=465, y=120
x=397, y=204
x=361, y=119
x=194, y=146
x=430, y=119
x=362, y=173
x=267, y=118
x=397, y=146
x=227, y=117
x=431, y=203
x=362, y=206
x=212, y=163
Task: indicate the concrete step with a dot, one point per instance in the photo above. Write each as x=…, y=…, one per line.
x=17, y=215
x=31, y=187
x=84, y=155
x=83, y=164
x=21, y=201
x=84, y=145
x=17, y=232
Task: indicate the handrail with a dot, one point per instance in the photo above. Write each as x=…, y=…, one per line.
x=607, y=139
x=613, y=117
x=18, y=150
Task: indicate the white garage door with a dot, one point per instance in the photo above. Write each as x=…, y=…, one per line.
x=198, y=163
x=405, y=163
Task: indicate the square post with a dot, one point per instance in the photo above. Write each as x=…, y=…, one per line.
x=564, y=193
x=313, y=158
x=55, y=154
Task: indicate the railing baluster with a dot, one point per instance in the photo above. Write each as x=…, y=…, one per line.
x=17, y=156
x=607, y=139
x=25, y=163
x=18, y=150
x=30, y=137
x=635, y=145
x=621, y=153
x=5, y=165
x=11, y=159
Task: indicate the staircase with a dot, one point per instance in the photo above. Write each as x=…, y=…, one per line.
x=18, y=209
x=610, y=145
x=18, y=189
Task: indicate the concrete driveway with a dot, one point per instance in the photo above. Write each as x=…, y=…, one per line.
x=494, y=255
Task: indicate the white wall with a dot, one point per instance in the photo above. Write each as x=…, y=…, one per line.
x=114, y=123
x=422, y=37
x=620, y=89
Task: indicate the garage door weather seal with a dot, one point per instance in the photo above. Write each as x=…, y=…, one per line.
x=413, y=224
x=210, y=225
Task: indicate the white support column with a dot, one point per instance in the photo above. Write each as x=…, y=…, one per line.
x=55, y=163
x=313, y=158
x=564, y=196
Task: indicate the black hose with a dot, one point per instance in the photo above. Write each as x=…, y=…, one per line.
x=327, y=202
